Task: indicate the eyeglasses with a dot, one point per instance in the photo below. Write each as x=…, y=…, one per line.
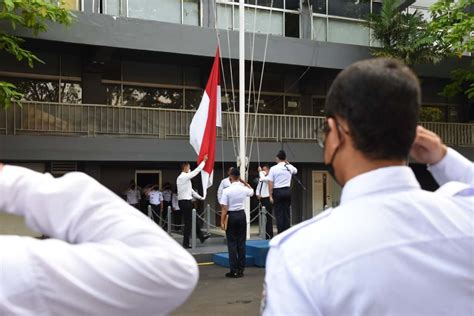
x=323, y=129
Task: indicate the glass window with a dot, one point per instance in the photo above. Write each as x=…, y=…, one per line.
x=71, y=4
x=263, y=22
x=113, y=94
x=71, y=92
x=356, y=9
x=318, y=6
x=36, y=89
x=153, y=97
x=433, y=114
x=292, y=5
x=348, y=32
x=191, y=14
x=192, y=99
x=224, y=16
x=454, y=114
x=292, y=25
x=112, y=7
x=318, y=106
x=292, y=105
x=264, y=3
x=163, y=10
x=271, y=104
x=319, y=29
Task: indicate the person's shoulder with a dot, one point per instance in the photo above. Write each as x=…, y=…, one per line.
x=297, y=231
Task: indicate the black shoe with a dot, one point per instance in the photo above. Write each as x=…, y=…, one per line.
x=232, y=275
x=240, y=274
x=204, y=238
x=186, y=246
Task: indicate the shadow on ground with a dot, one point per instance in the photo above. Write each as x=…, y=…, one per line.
x=218, y=295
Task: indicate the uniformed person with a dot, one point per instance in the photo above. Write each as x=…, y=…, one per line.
x=185, y=196
x=155, y=199
x=225, y=183
x=263, y=196
x=390, y=248
x=102, y=258
x=167, y=199
x=234, y=222
x=279, y=183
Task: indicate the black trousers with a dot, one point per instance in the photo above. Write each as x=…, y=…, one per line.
x=236, y=234
x=269, y=227
x=186, y=207
x=281, y=208
x=156, y=212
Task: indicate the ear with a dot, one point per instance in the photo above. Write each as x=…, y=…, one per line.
x=333, y=141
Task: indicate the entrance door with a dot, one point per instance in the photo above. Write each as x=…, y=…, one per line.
x=323, y=191
x=145, y=177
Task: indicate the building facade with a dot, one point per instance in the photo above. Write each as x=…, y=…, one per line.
x=117, y=90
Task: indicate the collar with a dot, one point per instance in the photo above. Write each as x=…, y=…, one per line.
x=236, y=183
x=385, y=179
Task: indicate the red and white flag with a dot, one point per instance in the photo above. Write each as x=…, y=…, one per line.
x=203, y=128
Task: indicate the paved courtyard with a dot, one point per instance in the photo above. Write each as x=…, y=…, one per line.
x=218, y=295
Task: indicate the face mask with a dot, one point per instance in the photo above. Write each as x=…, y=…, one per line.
x=330, y=166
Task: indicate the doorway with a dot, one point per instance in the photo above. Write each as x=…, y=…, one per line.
x=324, y=191
x=145, y=177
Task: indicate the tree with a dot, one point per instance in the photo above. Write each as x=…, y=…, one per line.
x=403, y=35
x=453, y=22
x=33, y=15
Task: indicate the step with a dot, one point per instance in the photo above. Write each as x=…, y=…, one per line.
x=222, y=259
x=259, y=250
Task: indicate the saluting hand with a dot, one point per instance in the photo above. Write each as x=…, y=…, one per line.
x=427, y=147
x=206, y=157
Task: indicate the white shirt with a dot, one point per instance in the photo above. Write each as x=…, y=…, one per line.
x=280, y=174
x=234, y=196
x=225, y=183
x=156, y=197
x=390, y=248
x=184, y=185
x=167, y=194
x=133, y=196
x=262, y=187
x=103, y=258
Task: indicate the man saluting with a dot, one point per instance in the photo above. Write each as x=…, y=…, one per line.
x=233, y=199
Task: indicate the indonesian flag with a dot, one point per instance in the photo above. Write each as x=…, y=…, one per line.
x=203, y=128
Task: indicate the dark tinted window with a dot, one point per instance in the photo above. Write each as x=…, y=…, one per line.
x=292, y=25
x=357, y=9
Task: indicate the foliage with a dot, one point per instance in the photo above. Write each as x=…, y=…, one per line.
x=33, y=15
x=403, y=35
x=453, y=22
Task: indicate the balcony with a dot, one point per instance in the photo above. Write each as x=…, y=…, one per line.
x=39, y=118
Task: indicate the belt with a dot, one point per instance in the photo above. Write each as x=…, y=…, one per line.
x=281, y=188
x=236, y=211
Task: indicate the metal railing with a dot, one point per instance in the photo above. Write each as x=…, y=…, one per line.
x=42, y=118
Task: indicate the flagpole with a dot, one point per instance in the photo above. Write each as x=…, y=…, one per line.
x=243, y=172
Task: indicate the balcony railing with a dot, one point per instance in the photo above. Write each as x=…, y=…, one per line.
x=92, y=120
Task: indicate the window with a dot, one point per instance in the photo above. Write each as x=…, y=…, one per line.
x=173, y=11
x=318, y=6
x=292, y=25
x=433, y=114
x=348, y=32
x=355, y=9
x=71, y=4
x=71, y=92
x=153, y=97
x=292, y=105
x=192, y=99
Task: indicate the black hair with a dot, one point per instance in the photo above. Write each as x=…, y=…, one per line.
x=183, y=164
x=380, y=100
x=235, y=172
x=266, y=165
x=281, y=155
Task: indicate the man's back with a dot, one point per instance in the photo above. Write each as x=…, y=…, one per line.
x=389, y=249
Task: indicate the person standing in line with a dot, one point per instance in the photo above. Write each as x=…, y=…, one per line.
x=185, y=196
x=133, y=195
x=263, y=195
x=279, y=183
x=390, y=247
x=102, y=258
x=167, y=196
x=234, y=222
x=225, y=183
x=156, y=201
x=177, y=214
